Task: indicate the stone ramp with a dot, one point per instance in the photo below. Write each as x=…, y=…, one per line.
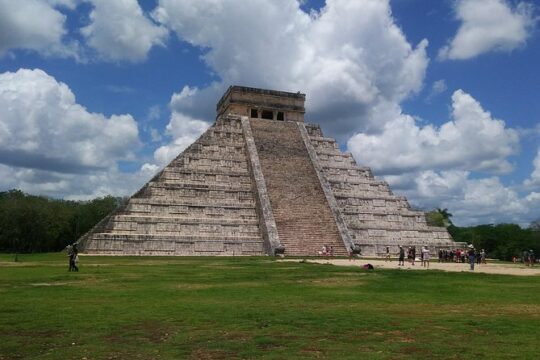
x=374, y=216
x=304, y=220
x=202, y=203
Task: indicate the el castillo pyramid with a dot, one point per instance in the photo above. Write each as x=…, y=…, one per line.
x=261, y=181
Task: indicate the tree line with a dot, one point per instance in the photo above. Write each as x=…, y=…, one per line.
x=500, y=241
x=30, y=224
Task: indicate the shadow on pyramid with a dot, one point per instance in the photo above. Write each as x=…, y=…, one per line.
x=260, y=181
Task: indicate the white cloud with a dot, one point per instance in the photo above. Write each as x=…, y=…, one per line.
x=351, y=59
x=438, y=87
x=184, y=130
x=489, y=25
x=98, y=183
x=471, y=201
x=534, y=180
x=43, y=127
x=51, y=145
x=34, y=25
x=119, y=30
x=472, y=140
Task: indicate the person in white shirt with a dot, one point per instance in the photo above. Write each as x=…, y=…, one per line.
x=426, y=256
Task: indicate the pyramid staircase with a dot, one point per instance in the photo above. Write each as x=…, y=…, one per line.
x=304, y=220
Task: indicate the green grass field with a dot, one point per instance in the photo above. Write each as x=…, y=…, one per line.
x=228, y=308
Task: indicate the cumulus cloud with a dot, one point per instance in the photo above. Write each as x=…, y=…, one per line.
x=51, y=145
x=534, y=180
x=119, y=30
x=184, y=130
x=350, y=58
x=74, y=186
x=471, y=140
x=471, y=200
x=34, y=25
x=489, y=25
x=43, y=127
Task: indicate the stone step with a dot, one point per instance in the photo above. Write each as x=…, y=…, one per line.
x=198, y=193
x=341, y=194
x=200, y=185
x=130, y=227
x=174, y=246
x=183, y=220
x=176, y=237
x=195, y=201
x=172, y=171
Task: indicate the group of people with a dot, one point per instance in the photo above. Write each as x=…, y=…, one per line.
x=528, y=257
x=425, y=255
x=471, y=255
x=73, y=254
x=461, y=255
x=327, y=251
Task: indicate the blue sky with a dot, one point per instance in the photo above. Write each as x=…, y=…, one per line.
x=440, y=98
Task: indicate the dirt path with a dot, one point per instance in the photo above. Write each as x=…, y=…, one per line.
x=490, y=268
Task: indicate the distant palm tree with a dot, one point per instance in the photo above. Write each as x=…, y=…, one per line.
x=446, y=216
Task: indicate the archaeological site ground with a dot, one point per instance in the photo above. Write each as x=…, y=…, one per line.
x=186, y=268
x=259, y=308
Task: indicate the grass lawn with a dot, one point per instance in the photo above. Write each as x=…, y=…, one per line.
x=227, y=308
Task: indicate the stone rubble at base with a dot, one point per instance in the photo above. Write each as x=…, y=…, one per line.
x=252, y=186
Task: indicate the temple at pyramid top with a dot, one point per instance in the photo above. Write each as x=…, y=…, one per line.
x=262, y=104
x=260, y=181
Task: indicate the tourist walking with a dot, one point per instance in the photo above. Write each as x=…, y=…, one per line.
x=401, y=261
x=413, y=254
x=387, y=256
x=425, y=257
x=525, y=258
x=471, y=254
x=483, y=256
x=69, y=249
x=532, y=258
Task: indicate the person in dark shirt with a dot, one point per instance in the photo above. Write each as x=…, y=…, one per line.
x=401, y=261
x=471, y=254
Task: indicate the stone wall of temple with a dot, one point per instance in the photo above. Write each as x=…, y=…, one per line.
x=202, y=203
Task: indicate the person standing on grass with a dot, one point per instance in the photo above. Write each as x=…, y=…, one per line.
x=532, y=259
x=525, y=258
x=401, y=261
x=387, y=256
x=425, y=257
x=76, y=262
x=413, y=255
x=69, y=249
x=471, y=254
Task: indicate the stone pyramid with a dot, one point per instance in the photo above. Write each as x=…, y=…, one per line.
x=261, y=181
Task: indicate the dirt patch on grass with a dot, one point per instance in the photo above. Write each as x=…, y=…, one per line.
x=193, y=286
x=399, y=337
x=208, y=354
x=45, y=284
x=153, y=332
x=415, y=350
x=329, y=282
